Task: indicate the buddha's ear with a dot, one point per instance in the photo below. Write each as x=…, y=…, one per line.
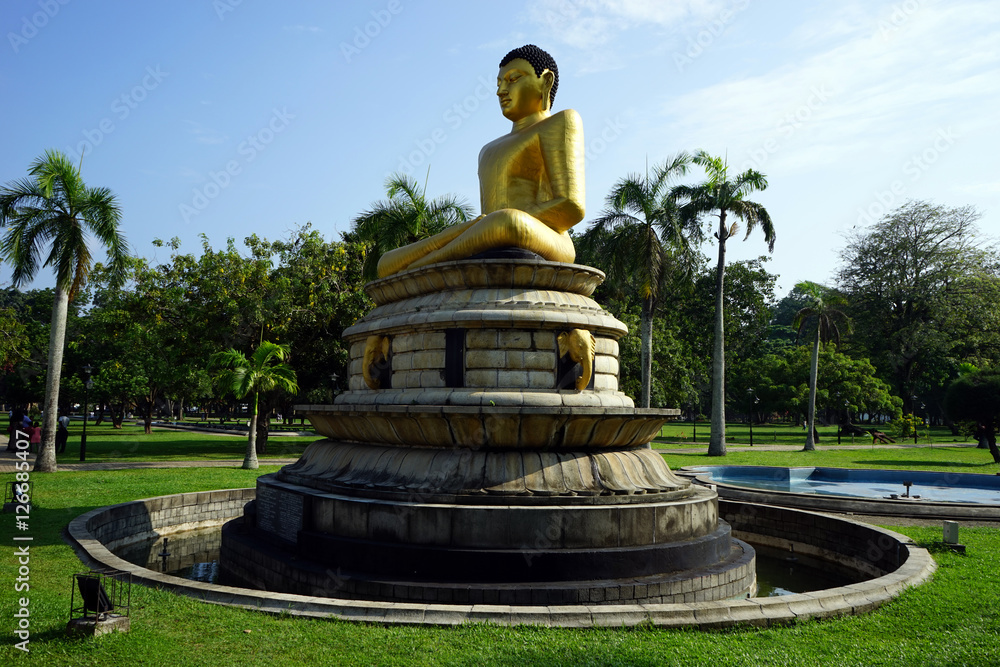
x=548, y=79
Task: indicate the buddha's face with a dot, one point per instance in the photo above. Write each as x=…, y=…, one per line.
x=521, y=91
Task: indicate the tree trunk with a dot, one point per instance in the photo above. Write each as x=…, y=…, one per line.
x=250, y=460
x=717, y=440
x=646, y=334
x=46, y=461
x=991, y=439
x=263, y=430
x=813, y=380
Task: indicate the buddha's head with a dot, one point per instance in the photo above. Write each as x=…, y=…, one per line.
x=527, y=82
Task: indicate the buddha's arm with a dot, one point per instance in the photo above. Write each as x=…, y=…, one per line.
x=563, y=153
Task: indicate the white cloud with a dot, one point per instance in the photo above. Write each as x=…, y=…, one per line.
x=584, y=24
x=205, y=135
x=878, y=88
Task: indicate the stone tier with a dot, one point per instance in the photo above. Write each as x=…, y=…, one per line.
x=488, y=426
x=481, y=476
x=296, y=538
x=484, y=325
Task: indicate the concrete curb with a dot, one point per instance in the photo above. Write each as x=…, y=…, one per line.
x=216, y=507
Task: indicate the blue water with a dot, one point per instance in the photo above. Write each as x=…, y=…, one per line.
x=930, y=486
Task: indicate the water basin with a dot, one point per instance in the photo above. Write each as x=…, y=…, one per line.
x=194, y=555
x=879, y=492
x=932, y=486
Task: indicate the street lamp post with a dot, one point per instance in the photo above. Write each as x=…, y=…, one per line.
x=694, y=422
x=752, y=401
x=913, y=414
x=86, y=386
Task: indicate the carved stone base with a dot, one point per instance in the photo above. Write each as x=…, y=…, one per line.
x=649, y=549
x=477, y=476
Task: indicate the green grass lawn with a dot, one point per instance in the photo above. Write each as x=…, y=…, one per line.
x=131, y=443
x=954, y=619
x=738, y=433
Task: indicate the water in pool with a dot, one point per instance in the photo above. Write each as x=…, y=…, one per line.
x=194, y=555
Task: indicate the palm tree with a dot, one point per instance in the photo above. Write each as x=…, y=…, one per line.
x=722, y=197
x=405, y=217
x=57, y=209
x=263, y=371
x=643, y=241
x=822, y=308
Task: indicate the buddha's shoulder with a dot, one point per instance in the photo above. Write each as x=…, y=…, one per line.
x=567, y=118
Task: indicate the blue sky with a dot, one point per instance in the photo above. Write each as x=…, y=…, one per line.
x=232, y=117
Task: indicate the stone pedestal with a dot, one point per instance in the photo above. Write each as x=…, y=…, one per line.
x=95, y=626
x=464, y=464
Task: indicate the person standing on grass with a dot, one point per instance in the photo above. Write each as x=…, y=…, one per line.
x=62, y=433
x=34, y=436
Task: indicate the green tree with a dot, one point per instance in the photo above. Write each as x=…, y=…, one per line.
x=846, y=383
x=823, y=309
x=264, y=370
x=976, y=397
x=56, y=208
x=13, y=340
x=922, y=287
x=405, y=217
x=722, y=196
x=644, y=245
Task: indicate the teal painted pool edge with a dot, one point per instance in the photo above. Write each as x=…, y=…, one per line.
x=931, y=494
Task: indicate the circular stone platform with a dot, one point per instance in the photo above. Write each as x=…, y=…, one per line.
x=484, y=454
x=896, y=565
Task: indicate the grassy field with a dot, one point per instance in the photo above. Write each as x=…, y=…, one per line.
x=130, y=443
x=936, y=459
x=952, y=620
x=794, y=434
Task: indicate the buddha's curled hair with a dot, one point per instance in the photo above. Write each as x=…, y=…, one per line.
x=540, y=61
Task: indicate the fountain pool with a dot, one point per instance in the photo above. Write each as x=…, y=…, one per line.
x=879, y=492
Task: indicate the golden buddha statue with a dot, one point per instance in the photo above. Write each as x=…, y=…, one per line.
x=530, y=181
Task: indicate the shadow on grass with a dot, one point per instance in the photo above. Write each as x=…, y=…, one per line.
x=139, y=447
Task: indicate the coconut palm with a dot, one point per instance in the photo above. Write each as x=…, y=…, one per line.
x=54, y=209
x=642, y=242
x=264, y=370
x=723, y=197
x=822, y=308
x=405, y=217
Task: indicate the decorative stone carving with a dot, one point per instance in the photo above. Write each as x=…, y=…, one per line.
x=579, y=345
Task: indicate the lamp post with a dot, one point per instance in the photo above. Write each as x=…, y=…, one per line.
x=927, y=422
x=913, y=413
x=86, y=386
x=752, y=399
x=694, y=422
x=847, y=419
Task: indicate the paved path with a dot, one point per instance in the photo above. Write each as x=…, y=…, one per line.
x=9, y=459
